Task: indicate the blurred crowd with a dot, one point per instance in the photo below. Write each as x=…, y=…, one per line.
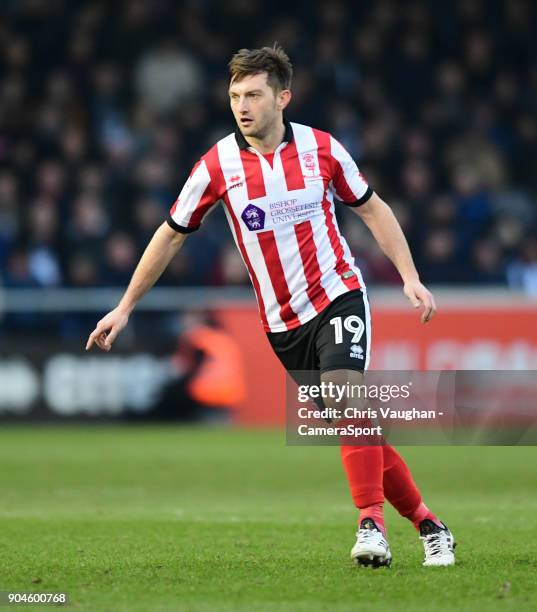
x=105, y=106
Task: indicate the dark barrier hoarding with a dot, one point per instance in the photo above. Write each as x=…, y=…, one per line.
x=51, y=382
x=42, y=378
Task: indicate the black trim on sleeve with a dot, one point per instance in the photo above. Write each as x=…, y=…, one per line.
x=180, y=228
x=369, y=192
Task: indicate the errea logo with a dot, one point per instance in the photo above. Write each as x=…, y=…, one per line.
x=357, y=351
x=235, y=181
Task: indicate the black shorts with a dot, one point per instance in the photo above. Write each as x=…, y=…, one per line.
x=338, y=338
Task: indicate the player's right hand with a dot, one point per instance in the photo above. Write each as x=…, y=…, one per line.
x=108, y=329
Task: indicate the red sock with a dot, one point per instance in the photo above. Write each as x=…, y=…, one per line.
x=375, y=512
x=401, y=490
x=364, y=468
x=420, y=514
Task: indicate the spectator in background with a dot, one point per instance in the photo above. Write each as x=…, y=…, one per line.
x=17, y=272
x=509, y=234
x=120, y=258
x=210, y=379
x=472, y=201
x=231, y=269
x=522, y=273
x=9, y=214
x=487, y=265
x=43, y=232
x=439, y=260
x=82, y=271
x=105, y=106
x=88, y=226
x=147, y=215
x=168, y=77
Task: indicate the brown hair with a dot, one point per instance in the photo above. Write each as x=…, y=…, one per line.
x=272, y=60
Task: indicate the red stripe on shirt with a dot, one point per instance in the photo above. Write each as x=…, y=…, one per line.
x=269, y=249
x=218, y=182
x=253, y=276
x=308, y=252
x=173, y=208
x=341, y=266
x=326, y=165
x=324, y=156
x=213, y=191
x=253, y=175
x=202, y=207
x=343, y=188
x=176, y=203
x=291, y=167
x=270, y=158
x=217, y=178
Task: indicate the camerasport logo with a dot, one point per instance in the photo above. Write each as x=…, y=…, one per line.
x=254, y=218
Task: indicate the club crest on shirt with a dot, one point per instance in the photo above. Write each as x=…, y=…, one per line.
x=254, y=217
x=310, y=168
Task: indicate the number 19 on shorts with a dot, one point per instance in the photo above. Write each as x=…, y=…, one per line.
x=352, y=323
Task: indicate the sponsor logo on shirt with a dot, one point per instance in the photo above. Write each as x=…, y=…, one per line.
x=293, y=210
x=253, y=217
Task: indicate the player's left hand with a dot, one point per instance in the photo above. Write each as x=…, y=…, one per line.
x=419, y=295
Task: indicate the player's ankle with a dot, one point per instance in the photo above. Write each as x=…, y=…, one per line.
x=376, y=514
x=422, y=513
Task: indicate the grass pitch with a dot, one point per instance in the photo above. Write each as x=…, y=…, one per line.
x=164, y=518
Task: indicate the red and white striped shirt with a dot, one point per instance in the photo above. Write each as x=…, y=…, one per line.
x=282, y=218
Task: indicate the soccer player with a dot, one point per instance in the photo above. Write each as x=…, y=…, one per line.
x=278, y=182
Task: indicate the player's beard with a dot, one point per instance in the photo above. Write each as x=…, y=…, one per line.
x=264, y=128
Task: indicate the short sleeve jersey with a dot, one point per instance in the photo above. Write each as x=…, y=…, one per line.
x=282, y=218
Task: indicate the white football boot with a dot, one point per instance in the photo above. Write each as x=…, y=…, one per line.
x=438, y=543
x=371, y=548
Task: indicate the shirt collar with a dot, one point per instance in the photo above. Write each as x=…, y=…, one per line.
x=243, y=143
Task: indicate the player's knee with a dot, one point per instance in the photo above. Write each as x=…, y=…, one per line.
x=348, y=400
x=343, y=390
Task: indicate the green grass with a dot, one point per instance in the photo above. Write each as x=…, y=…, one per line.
x=162, y=518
